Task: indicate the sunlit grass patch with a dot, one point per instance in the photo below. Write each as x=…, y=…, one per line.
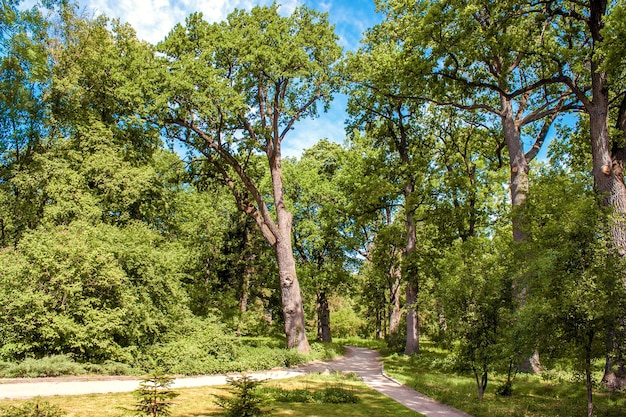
x=554, y=395
x=199, y=402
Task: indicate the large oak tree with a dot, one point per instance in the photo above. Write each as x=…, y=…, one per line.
x=235, y=89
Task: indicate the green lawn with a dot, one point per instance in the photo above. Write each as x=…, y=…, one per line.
x=533, y=395
x=197, y=402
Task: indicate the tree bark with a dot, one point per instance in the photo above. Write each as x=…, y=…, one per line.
x=608, y=176
x=323, y=318
x=293, y=311
x=412, y=321
x=412, y=318
x=395, y=314
x=518, y=167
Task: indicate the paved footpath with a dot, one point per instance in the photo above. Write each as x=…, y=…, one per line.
x=361, y=361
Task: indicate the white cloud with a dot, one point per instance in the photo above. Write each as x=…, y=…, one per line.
x=153, y=19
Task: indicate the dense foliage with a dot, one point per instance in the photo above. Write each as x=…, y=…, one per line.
x=146, y=211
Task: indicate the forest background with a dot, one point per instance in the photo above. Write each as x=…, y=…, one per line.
x=148, y=216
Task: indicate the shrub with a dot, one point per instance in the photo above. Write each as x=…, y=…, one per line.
x=246, y=400
x=110, y=368
x=329, y=395
x=201, y=347
x=346, y=323
x=33, y=409
x=154, y=395
x=56, y=365
x=338, y=395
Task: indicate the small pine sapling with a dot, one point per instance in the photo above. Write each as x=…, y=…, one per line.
x=154, y=395
x=246, y=401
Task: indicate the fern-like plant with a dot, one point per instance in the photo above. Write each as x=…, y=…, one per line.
x=154, y=395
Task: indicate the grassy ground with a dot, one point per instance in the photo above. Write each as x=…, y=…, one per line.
x=198, y=402
x=533, y=396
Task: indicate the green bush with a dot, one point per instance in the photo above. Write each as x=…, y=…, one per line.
x=329, y=395
x=246, y=400
x=33, y=409
x=346, y=323
x=200, y=347
x=110, y=368
x=57, y=365
x=338, y=395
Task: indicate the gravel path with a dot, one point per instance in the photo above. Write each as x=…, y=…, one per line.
x=363, y=362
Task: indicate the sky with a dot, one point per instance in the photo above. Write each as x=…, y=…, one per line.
x=153, y=19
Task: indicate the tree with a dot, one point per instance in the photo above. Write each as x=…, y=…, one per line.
x=576, y=297
x=479, y=312
x=478, y=57
x=586, y=50
x=236, y=88
x=25, y=72
x=321, y=240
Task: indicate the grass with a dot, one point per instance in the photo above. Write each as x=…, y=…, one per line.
x=533, y=396
x=200, y=402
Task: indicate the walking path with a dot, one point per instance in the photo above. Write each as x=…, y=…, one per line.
x=361, y=361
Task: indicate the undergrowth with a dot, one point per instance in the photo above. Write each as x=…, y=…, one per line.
x=192, y=355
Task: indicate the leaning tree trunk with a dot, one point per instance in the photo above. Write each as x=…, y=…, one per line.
x=519, y=171
x=293, y=311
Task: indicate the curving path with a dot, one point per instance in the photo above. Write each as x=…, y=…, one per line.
x=361, y=361
x=366, y=364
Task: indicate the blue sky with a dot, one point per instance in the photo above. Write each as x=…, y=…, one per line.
x=153, y=19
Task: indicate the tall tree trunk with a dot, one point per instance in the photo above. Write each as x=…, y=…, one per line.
x=609, y=181
x=412, y=321
x=608, y=178
x=519, y=169
x=615, y=365
x=293, y=310
x=323, y=318
x=410, y=275
x=395, y=314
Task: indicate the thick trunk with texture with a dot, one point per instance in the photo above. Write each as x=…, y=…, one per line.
x=519, y=170
x=293, y=311
x=609, y=182
x=409, y=273
x=323, y=318
x=412, y=321
x=395, y=314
